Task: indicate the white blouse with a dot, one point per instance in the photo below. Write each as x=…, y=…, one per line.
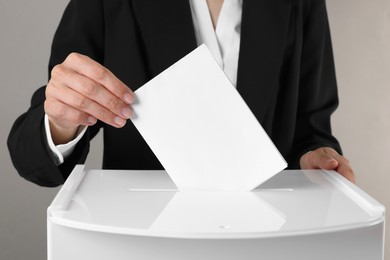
x=223, y=42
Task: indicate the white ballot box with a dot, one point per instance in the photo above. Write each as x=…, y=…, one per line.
x=117, y=214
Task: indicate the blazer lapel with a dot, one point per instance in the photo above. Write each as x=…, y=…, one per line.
x=167, y=30
x=263, y=40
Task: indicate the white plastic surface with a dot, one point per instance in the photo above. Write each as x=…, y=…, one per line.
x=146, y=203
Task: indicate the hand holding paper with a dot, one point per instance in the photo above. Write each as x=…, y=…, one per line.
x=201, y=130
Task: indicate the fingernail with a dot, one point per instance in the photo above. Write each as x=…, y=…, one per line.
x=129, y=98
x=119, y=121
x=91, y=120
x=126, y=112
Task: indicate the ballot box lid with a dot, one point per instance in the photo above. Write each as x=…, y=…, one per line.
x=147, y=203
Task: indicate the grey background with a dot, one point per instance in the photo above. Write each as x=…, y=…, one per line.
x=361, y=39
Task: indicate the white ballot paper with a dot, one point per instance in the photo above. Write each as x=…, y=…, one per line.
x=201, y=129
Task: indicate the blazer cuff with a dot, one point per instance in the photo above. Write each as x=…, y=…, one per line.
x=62, y=151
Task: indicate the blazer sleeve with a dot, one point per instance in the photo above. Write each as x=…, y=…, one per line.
x=318, y=97
x=81, y=30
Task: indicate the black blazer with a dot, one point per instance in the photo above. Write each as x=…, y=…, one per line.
x=286, y=75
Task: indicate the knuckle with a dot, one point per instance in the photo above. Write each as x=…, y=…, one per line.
x=103, y=115
x=100, y=72
x=73, y=57
x=52, y=88
x=113, y=103
x=48, y=90
x=88, y=89
x=117, y=89
x=57, y=71
x=56, y=109
x=47, y=106
x=80, y=102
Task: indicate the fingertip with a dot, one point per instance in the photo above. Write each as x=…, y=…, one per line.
x=120, y=122
x=91, y=120
x=129, y=98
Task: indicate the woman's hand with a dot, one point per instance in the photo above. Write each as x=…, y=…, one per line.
x=80, y=92
x=328, y=159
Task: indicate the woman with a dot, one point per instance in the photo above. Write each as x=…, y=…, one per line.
x=276, y=52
